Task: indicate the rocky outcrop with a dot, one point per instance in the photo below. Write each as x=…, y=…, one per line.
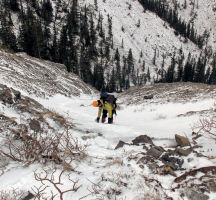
x=169, y=161
x=34, y=115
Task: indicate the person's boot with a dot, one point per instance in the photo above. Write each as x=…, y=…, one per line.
x=110, y=120
x=103, y=119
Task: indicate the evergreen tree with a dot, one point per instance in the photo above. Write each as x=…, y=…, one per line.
x=141, y=54
x=130, y=61
x=85, y=66
x=96, y=5
x=143, y=66
x=93, y=36
x=112, y=83
x=74, y=18
x=84, y=29
x=188, y=70
x=107, y=50
x=154, y=58
x=170, y=75
x=31, y=38
x=199, y=72
x=207, y=75
x=7, y=35
x=119, y=85
x=212, y=78
x=148, y=75
x=122, y=44
x=54, y=46
x=62, y=47
x=47, y=12
x=110, y=27
x=180, y=68
x=124, y=73
x=98, y=77
x=117, y=55
x=14, y=5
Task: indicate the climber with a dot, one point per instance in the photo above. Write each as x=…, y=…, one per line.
x=107, y=105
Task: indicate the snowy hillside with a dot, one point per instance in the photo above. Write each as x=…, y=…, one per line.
x=87, y=37
x=142, y=31
x=46, y=78
x=52, y=148
x=202, y=13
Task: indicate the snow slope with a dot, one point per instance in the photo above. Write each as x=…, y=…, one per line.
x=202, y=13
x=152, y=34
x=107, y=173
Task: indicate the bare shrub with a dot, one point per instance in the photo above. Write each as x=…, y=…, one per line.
x=52, y=180
x=206, y=127
x=61, y=148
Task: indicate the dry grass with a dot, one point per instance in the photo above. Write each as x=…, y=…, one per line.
x=115, y=161
x=12, y=194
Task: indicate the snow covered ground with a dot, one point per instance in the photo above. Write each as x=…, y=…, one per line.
x=100, y=171
x=105, y=169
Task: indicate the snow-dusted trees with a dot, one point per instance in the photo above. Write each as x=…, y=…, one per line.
x=47, y=11
x=31, y=37
x=171, y=17
x=7, y=35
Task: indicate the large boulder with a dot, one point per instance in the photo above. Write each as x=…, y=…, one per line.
x=156, y=152
x=120, y=144
x=142, y=139
x=183, y=152
x=182, y=141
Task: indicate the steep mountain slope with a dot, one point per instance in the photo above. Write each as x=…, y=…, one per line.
x=143, y=31
x=201, y=13
x=88, y=35
x=46, y=78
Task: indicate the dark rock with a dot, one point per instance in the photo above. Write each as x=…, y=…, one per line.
x=145, y=160
x=148, y=96
x=141, y=166
x=17, y=95
x=142, y=139
x=120, y=144
x=6, y=96
x=35, y=125
x=167, y=170
x=155, y=152
x=194, y=195
x=9, y=95
x=183, y=152
x=182, y=141
x=29, y=196
x=173, y=162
